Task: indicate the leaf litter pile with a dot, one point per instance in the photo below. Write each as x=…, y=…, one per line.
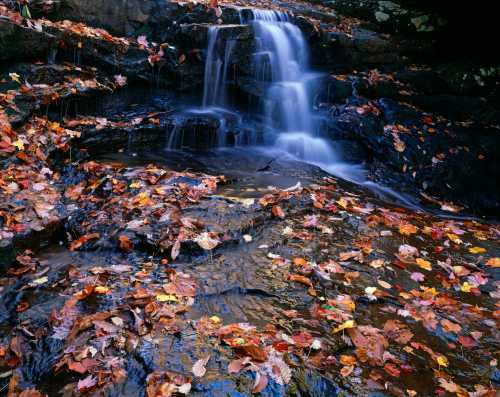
x=362, y=296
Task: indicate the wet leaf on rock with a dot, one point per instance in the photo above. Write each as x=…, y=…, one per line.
x=199, y=368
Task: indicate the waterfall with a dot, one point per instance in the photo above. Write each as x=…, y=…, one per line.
x=216, y=67
x=213, y=68
x=282, y=61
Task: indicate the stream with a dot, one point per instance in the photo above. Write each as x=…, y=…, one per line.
x=238, y=254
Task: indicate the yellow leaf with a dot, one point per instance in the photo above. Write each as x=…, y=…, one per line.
x=15, y=77
x=342, y=202
x=215, y=319
x=101, y=289
x=442, y=361
x=426, y=265
x=407, y=228
x=454, y=238
x=347, y=324
x=135, y=185
x=477, y=250
x=465, y=287
x=493, y=262
x=166, y=298
x=19, y=144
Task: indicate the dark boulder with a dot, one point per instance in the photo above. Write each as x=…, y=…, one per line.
x=19, y=42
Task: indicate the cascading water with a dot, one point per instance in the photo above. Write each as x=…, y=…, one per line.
x=282, y=61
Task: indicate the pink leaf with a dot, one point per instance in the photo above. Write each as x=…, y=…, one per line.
x=199, y=367
x=86, y=384
x=143, y=41
x=417, y=276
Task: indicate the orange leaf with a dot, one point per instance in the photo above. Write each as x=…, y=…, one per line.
x=300, y=279
x=278, y=212
x=125, y=243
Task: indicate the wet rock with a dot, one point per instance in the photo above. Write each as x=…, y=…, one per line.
x=157, y=19
x=50, y=89
x=460, y=108
x=394, y=16
x=97, y=140
x=453, y=153
x=204, y=129
x=334, y=89
x=362, y=47
x=19, y=42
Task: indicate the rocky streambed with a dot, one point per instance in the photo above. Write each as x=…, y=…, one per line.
x=129, y=269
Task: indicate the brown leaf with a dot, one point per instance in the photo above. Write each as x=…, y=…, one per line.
x=82, y=240
x=125, y=243
x=392, y=369
x=255, y=352
x=174, y=253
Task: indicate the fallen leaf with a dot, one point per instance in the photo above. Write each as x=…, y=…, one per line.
x=206, y=242
x=442, y=361
x=407, y=229
x=417, y=277
x=199, y=366
x=86, y=384
x=477, y=250
x=346, y=370
x=348, y=360
x=422, y=263
x=142, y=40
x=493, y=262
x=346, y=325
x=300, y=279
x=278, y=212
x=125, y=243
x=260, y=383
